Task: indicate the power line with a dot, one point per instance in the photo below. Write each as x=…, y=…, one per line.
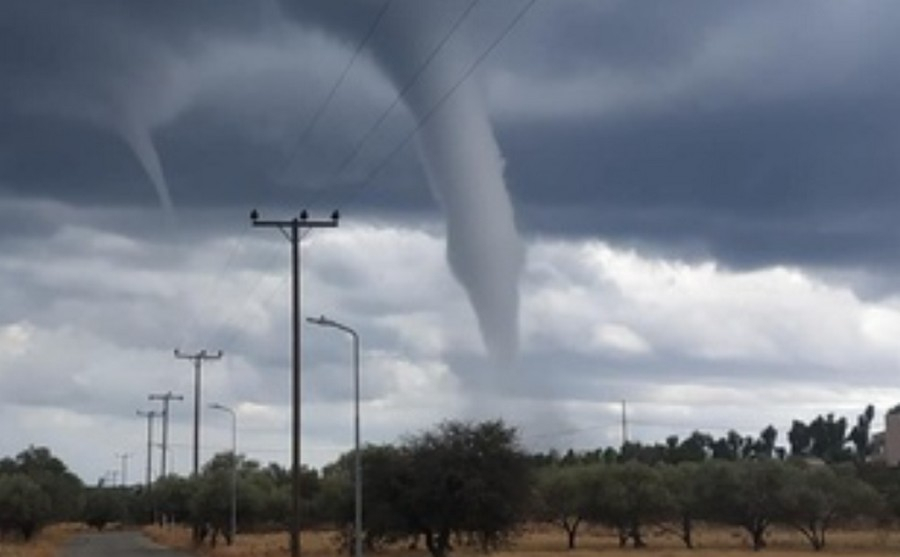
x=405, y=89
x=227, y=340
x=302, y=138
x=232, y=316
x=311, y=124
x=377, y=169
x=216, y=283
x=364, y=138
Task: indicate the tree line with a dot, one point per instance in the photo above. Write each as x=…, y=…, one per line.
x=474, y=484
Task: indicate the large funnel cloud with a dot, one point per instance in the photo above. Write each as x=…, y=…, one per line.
x=457, y=148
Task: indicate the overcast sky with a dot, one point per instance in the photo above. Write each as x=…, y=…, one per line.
x=707, y=193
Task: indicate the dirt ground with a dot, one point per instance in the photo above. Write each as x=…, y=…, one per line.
x=545, y=541
x=46, y=544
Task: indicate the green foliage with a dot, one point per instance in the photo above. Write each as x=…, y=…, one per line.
x=745, y=494
x=627, y=497
x=383, y=468
x=826, y=438
x=859, y=435
x=63, y=488
x=472, y=483
x=104, y=506
x=684, y=483
x=464, y=478
x=171, y=498
x=813, y=498
x=562, y=498
x=697, y=447
x=210, y=502
x=36, y=488
x=24, y=506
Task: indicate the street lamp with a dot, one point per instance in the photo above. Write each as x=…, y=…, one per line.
x=323, y=321
x=223, y=408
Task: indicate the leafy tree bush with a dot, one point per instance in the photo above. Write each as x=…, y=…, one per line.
x=24, y=506
x=562, y=498
x=813, y=498
x=103, y=506
x=383, y=467
x=63, y=488
x=745, y=494
x=467, y=478
x=210, y=504
x=171, y=498
x=684, y=485
x=628, y=497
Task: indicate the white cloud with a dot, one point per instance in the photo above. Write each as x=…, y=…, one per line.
x=612, y=336
x=690, y=344
x=700, y=311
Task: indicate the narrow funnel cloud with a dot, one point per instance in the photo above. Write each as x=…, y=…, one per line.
x=458, y=150
x=138, y=138
x=111, y=111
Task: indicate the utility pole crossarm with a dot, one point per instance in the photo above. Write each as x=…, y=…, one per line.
x=303, y=221
x=165, y=398
x=198, y=358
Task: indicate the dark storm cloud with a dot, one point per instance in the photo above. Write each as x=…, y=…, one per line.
x=570, y=37
x=70, y=71
x=759, y=132
x=789, y=182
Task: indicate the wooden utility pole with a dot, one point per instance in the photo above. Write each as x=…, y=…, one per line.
x=150, y=415
x=198, y=359
x=291, y=229
x=165, y=398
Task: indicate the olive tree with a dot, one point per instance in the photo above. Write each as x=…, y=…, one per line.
x=103, y=506
x=462, y=478
x=24, y=506
x=628, y=497
x=744, y=493
x=562, y=498
x=814, y=498
x=683, y=484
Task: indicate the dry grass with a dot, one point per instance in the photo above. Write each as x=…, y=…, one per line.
x=46, y=544
x=544, y=541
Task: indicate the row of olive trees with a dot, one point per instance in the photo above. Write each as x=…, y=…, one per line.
x=826, y=437
x=459, y=481
x=36, y=488
x=751, y=494
x=472, y=483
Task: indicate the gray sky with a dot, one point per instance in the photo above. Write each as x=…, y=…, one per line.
x=707, y=193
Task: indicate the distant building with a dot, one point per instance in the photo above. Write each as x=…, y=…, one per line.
x=892, y=437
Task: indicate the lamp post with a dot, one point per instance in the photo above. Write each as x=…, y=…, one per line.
x=323, y=321
x=223, y=408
